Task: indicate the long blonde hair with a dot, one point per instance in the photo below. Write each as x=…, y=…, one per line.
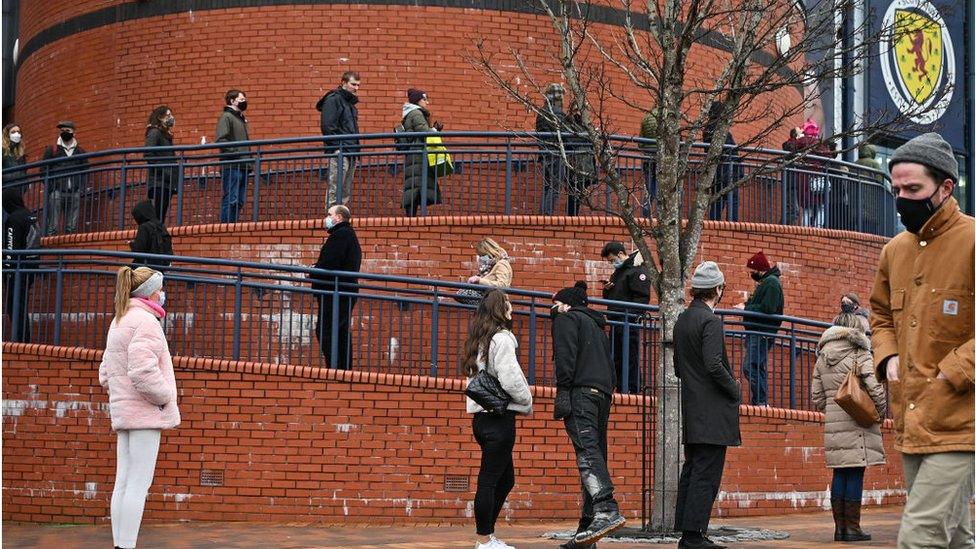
x=128, y=279
x=491, y=248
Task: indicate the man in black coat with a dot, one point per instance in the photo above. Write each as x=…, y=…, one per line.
x=584, y=384
x=17, y=225
x=710, y=399
x=340, y=252
x=64, y=180
x=341, y=117
x=629, y=282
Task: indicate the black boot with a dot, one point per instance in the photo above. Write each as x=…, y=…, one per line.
x=584, y=522
x=852, y=518
x=603, y=524
x=840, y=527
x=571, y=544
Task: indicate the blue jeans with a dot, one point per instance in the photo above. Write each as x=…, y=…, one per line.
x=754, y=368
x=234, y=184
x=848, y=484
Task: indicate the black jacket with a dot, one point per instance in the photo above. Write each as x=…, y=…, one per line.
x=581, y=350
x=630, y=283
x=11, y=161
x=68, y=175
x=339, y=117
x=164, y=177
x=710, y=395
x=17, y=223
x=232, y=126
x=340, y=252
x=151, y=236
x=768, y=299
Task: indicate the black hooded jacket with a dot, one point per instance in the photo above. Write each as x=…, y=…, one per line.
x=17, y=222
x=151, y=237
x=339, y=117
x=581, y=350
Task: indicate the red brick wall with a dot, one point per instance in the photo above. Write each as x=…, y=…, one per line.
x=108, y=79
x=547, y=253
x=300, y=443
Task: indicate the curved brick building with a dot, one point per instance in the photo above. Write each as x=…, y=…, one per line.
x=105, y=64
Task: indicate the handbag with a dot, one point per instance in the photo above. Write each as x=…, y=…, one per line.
x=854, y=399
x=487, y=391
x=438, y=159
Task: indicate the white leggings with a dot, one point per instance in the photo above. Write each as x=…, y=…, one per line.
x=137, y=450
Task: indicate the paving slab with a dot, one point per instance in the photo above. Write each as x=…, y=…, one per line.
x=807, y=530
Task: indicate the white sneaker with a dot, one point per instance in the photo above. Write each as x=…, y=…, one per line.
x=501, y=544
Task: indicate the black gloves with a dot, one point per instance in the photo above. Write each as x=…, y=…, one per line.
x=563, y=406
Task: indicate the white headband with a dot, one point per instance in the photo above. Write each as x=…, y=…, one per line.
x=150, y=286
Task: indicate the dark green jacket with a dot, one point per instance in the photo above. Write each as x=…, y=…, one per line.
x=767, y=299
x=232, y=126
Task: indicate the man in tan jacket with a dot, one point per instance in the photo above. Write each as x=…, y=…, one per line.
x=922, y=325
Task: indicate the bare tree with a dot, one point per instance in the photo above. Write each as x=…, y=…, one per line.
x=772, y=47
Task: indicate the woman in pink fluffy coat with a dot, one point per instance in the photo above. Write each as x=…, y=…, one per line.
x=137, y=370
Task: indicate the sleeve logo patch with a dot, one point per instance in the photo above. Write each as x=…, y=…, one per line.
x=950, y=307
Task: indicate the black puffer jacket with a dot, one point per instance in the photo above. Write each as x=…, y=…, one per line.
x=151, y=236
x=581, y=350
x=417, y=119
x=339, y=117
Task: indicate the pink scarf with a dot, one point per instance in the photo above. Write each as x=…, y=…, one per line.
x=153, y=306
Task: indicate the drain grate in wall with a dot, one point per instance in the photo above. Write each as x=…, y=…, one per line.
x=456, y=483
x=210, y=477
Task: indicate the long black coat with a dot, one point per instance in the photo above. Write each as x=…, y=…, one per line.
x=417, y=120
x=710, y=396
x=340, y=252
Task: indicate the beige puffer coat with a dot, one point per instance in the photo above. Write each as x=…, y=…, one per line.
x=847, y=444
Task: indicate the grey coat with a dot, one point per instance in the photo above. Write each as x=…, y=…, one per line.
x=846, y=444
x=415, y=119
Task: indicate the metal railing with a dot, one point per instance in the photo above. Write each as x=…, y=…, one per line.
x=495, y=173
x=267, y=313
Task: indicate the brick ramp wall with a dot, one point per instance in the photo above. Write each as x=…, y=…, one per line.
x=298, y=443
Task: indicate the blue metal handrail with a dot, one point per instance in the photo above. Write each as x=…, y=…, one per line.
x=226, y=309
x=495, y=173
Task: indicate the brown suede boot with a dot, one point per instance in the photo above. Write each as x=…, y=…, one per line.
x=840, y=527
x=852, y=517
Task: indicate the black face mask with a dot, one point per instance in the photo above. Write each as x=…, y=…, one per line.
x=756, y=276
x=914, y=213
x=67, y=136
x=848, y=308
x=242, y=106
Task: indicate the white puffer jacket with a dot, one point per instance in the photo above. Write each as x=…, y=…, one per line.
x=503, y=364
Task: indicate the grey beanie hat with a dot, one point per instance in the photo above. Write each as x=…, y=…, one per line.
x=707, y=275
x=930, y=150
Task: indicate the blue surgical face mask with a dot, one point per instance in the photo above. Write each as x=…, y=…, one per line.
x=162, y=298
x=618, y=263
x=329, y=223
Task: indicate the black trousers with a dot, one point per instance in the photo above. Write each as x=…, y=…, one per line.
x=633, y=349
x=161, y=198
x=18, y=310
x=496, y=477
x=587, y=429
x=325, y=331
x=701, y=476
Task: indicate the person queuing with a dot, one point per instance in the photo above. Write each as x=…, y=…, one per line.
x=137, y=371
x=584, y=384
x=65, y=180
x=416, y=176
x=163, y=176
x=922, y=333
x=234, y=163
x=630, y=282
x=848, y=447
x=151, y=236
x=494, y=271
x=492, y=346
x=19, y=233
x=340, y=252
x=340, y=116
x=710, y=398
x=766, y=299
